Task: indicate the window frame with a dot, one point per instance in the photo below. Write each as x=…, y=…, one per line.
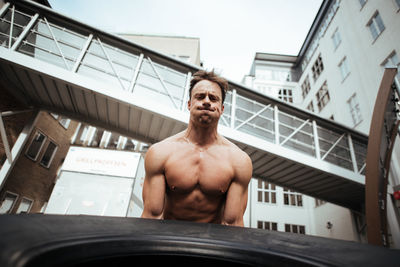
x=271, y=225
x=344, y=68
x=317, y=68
x=354, y=108
x=333, y=37
x=295, y=228
x=292, y=197
x=264, y=190
x=322, y=96
x=41, y=146
x=373, y=21
x=305, y=87
x=14, y=202
x=30, y=205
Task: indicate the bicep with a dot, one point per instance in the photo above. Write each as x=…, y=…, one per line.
x=236, y=199
x=153, y=188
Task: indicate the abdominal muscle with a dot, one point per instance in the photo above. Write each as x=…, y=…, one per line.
x=193, y=206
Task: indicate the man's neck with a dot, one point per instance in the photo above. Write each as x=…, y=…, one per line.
x=201, y=136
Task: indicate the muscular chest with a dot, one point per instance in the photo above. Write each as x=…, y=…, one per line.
x=189, y=169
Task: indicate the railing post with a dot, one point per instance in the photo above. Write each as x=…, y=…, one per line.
x=82, y=54
x=186, y=91
x=316, y=140
x=233, y=108
x=5, y=140
x=276, y=121
x=136, y=73
x=352, y=153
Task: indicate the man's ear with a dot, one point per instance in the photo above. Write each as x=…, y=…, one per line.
x=222, y=108
x=188, y=105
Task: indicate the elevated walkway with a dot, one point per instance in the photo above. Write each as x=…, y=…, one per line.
x=51, y=62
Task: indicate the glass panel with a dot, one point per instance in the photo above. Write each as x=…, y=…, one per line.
x=48, y=155
x=302, y=230
x=273, y=197
x=294, y=228
x=302, y=140
x=292, y=200
x=96, y=141
x=274, y=226
x=267, y=226
x=340, y=154
x=259, y=224
x=286, y=199
x=36, y=146
x=259, y=196
x=287, y=228
x=299, y=200
x=266, y=196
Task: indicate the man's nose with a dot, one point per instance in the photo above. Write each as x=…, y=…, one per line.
x=206, y=101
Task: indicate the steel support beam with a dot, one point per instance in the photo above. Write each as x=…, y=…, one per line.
x=136, y=73
x=375, y=182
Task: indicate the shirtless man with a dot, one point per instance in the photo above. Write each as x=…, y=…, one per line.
x=198, y=175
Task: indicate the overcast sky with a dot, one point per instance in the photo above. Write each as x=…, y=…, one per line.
x=230, y=31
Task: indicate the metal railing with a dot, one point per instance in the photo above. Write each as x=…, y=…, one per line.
x=42, y=33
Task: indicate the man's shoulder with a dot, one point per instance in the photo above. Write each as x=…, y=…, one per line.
x=236, y=152
x=165, y=145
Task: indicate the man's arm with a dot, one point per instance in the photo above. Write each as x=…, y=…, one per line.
x=154, y=184
x=236, y=199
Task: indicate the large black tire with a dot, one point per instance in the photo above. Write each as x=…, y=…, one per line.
x=56, y=240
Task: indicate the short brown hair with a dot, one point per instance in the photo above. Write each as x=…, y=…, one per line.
x=211, y=76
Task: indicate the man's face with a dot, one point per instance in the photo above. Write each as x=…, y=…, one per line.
x=205, y=104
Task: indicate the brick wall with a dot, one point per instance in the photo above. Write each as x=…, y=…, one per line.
x=29, y=178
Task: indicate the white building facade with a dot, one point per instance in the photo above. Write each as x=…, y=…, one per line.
x=337, y=76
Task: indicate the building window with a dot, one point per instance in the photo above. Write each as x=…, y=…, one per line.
x=362, y=2
x=319, y=202
x=305, y=87
x=292, y=198
x=62, y=120
x=286, y=95
x=376, y=26
x=267, y=225
x=25, y=205
x=322, y=97
x=266, y=192
x=336, y=39
x=36, y=146
x=48, y=154
x=8, y=202
x=344, y=68
x=317, y=68
x=294, y=228
x=355, y=109
x=310, y=106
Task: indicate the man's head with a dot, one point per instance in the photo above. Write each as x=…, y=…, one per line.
x=207, y=94
x=212, y=77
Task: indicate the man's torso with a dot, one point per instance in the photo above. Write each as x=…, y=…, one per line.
x=197, y=181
